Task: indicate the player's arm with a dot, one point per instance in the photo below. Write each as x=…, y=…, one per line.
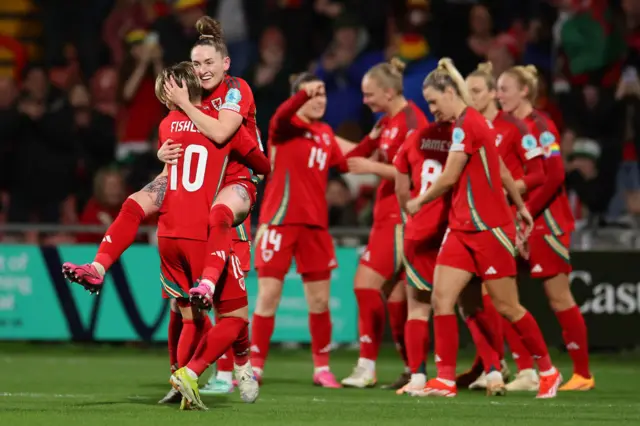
x=510, y=186
x=250, y=153
x=403, y=188
x=285, y=113
x=530, y=154
x=366, y=147
x=554, y=179
x=218, y=130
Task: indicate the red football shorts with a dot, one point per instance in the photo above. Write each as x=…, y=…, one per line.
x=383, y=253
x=549, y=255
x=312, y=248
x=420, y=262
x=242, y=250
x=488, y=254
x=181, y=264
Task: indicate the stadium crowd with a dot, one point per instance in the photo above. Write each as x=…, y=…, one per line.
x=78, y=125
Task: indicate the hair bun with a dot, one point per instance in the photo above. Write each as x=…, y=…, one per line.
x=209, y=28
x=485, y=67
x=445, y=64
x=531, y=69
x=397, y=65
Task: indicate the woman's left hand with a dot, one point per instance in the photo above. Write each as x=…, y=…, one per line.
x=175, y=94
x=360, y=165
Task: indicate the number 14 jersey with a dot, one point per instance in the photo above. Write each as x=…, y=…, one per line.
x=301, y=154
x=423, y=156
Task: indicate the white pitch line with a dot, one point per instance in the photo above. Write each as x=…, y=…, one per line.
x=43, y=395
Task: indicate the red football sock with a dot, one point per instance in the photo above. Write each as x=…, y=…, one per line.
x=445, y=328
x=532, y=339
x=215, y=343
x=397, y=320
x=574, y=333
x=241, y=347
x=320, y=328
x=175, y=328
x=490, y=321
x=189, y=338
x=261, y=332
x=120, y=234
x=219, y=243
x=416, y=334
x=519, y=352
x=370, y=321
x=225, y=362
x=489, y=356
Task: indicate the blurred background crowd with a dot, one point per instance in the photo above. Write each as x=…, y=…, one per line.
x=78, y=114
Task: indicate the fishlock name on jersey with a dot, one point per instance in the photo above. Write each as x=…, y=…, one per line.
x=183, y=126
x=434, y=145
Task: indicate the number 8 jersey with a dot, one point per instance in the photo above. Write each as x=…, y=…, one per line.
x=301, y=154
x=422, y=156
x=197, y=177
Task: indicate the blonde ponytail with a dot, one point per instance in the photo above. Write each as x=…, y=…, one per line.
x=485, y=71
x=447, y=75
x=388, y=75
x=527, y=76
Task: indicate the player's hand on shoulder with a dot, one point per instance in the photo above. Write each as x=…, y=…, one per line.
x=169, y=152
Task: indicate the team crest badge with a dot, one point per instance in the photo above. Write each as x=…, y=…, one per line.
x=216, y=103
x=267, y=255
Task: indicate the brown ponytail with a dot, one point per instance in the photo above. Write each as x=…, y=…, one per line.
x=211, y=35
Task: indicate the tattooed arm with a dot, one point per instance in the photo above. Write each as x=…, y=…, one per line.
x=150, y=197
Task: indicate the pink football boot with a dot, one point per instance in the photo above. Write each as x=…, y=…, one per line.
x=86, y=275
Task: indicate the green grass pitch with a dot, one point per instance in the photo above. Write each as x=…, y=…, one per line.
x=92, y=386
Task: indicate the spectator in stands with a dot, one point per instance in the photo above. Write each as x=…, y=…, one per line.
x=342, y=67
x=126, y=16
x=269, y=77
x=177, y=32
x=582, y=173
x=43, y=162
x=233, y=17
x=140, y=111
x=503, y=53
x=95, y=139
x=103, y=207
x=8, y=118
x=342, y=210
x=478, y=43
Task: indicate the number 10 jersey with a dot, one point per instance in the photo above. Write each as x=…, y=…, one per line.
x=195, y=180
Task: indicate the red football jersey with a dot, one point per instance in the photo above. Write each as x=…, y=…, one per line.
x=549, y=203
x=478, y=202
x=196, y=179
x=422, y=157
x=516, y=145
x=301, y=154
x=393, y=134
x=235, y=94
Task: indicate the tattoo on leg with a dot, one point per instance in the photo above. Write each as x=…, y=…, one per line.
x=158, y=187
x=242, y=192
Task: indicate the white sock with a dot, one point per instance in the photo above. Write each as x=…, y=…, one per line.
x=548, y=372
x=99, y=268
x=317, y=370
x=495, y=375
x=418, y=379
x=192, y=373
x=225, y=376
x=208, y=283
x=368, y=364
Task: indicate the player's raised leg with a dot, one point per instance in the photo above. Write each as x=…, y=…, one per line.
x=120, y=235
